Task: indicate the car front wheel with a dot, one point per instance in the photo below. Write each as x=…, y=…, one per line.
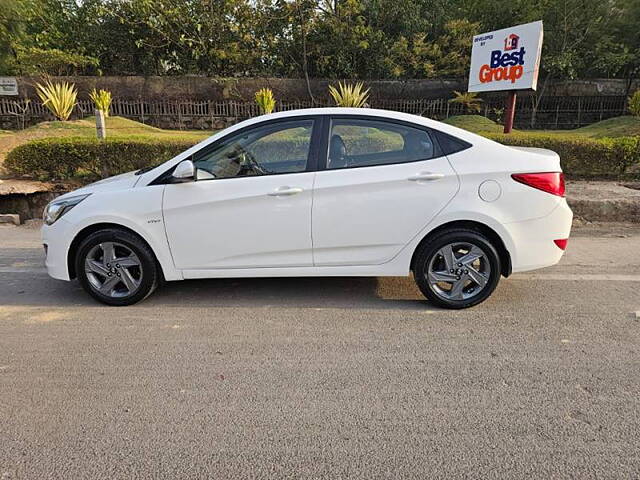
x=116, y=267
x=457, y=268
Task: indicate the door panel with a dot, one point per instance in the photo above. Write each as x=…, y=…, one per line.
x=239, y=222
x=251, y=204
x=364, y=215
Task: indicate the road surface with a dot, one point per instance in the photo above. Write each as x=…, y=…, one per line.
x=324, y=378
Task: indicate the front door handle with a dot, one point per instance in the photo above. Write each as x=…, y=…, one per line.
x=285, y=191
x=426, y=177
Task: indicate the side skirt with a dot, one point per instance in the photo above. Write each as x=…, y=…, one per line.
x=392, y=269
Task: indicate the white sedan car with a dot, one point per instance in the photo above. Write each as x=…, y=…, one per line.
x=318, y=192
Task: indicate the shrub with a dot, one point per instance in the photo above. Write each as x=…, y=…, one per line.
x=468, y=100
x=278, y=150
x=60, y=98
x=38, y=61
x=349, y=95
x=265, y=100
x=102, y=100
x=581, y=157
x=634, y=103
x=71, y=157
x=627, y=152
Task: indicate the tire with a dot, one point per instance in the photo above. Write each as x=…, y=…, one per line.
x=455, y=282
x=117, y=267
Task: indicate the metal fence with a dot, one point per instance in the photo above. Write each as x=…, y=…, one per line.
x=551, y=112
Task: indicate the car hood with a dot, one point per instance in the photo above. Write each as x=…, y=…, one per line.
x=123, y=181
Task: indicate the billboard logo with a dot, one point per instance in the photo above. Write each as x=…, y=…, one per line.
x=504, y=66
x=511, y=42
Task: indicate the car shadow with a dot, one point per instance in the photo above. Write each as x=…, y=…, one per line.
x=314, y=292
x=311, y=292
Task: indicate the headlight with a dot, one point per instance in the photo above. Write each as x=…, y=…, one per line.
x=58, y=208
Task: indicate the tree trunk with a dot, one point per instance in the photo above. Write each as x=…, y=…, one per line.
x=538, y=99
x=305, y=64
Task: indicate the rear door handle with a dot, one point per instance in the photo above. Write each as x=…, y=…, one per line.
x=426, y=177
x=285, y=191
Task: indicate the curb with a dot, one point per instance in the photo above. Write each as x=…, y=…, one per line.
x=627, y=211
x=10, y=218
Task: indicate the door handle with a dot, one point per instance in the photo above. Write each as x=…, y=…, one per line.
x=426, y=177
x=285, y=191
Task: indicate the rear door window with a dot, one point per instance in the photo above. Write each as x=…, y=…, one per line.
x=363, y=143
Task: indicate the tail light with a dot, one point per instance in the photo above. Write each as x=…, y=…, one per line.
x=550, y=182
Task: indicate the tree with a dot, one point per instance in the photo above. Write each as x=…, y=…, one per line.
x=357, y=39
x=196, y=36
x=36, y=61
x=11, y=34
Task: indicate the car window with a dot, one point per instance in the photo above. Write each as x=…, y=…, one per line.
x=361, y=143
x=264, y=150
x=450, y=144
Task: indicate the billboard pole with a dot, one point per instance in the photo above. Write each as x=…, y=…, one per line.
x=510, y=112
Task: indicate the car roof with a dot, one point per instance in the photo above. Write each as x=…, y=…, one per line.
x=343, y=111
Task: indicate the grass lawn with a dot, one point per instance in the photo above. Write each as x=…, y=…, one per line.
x=613, y=127
x=474, y=123
x=626, y=126
x=117, y=127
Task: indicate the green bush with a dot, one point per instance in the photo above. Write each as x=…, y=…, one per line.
x=584, y=158
x=280, y=150
x=634, y=103
x=71, y=157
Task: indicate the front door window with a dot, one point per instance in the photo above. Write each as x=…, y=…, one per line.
x=265, y=150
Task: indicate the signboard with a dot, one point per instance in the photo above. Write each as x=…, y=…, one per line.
x=506, y=59
x=8, y=86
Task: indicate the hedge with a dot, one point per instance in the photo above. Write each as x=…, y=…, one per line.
x=72, y=157
x=582, y=157
x=281, y=149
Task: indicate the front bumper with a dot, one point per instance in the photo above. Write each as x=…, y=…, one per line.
x=534, y=239
x=57, y=240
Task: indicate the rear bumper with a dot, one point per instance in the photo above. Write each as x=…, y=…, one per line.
x=533, y=240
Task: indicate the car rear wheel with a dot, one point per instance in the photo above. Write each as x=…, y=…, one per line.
x=458, y=268
x=116, y=267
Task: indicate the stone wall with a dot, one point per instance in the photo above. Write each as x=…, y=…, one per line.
x=216, y=89
x=291, y=89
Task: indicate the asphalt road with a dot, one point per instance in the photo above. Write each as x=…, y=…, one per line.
x=324, y=378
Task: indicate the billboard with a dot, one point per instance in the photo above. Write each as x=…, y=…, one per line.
x=506, y=59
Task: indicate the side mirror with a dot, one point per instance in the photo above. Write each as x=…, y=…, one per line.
x=184, y=172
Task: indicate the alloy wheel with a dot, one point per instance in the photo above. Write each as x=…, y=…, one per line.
x=458, y=271
x=113, y=269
